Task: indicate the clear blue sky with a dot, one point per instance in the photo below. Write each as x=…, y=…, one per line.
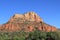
x=48, y=10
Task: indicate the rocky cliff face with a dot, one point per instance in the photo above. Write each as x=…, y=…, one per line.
x=29, y=16
x=26, y=22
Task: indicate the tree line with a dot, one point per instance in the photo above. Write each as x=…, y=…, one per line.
x=33, y=35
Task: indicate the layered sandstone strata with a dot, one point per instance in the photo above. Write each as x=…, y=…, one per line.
x=26, y=22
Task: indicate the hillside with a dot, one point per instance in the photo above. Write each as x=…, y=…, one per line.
x=27, y=22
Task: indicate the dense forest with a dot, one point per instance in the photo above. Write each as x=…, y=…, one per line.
x=34, y=35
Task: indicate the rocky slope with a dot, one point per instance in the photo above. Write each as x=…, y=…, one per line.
x=26, y=22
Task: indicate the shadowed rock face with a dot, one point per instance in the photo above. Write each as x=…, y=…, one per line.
x=26, y=22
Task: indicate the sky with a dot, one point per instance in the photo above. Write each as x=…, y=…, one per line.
x=48, y=10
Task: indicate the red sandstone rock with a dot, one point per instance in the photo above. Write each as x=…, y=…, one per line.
x=26, y=22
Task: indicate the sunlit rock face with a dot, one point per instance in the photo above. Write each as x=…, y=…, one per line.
x=29, y=16
x=27, y=22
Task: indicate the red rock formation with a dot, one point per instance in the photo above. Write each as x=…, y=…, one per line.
x=26, y=22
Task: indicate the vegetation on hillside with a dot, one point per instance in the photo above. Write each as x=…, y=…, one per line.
x=34, y=35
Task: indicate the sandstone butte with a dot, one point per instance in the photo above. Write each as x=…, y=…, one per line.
x=27, y=22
